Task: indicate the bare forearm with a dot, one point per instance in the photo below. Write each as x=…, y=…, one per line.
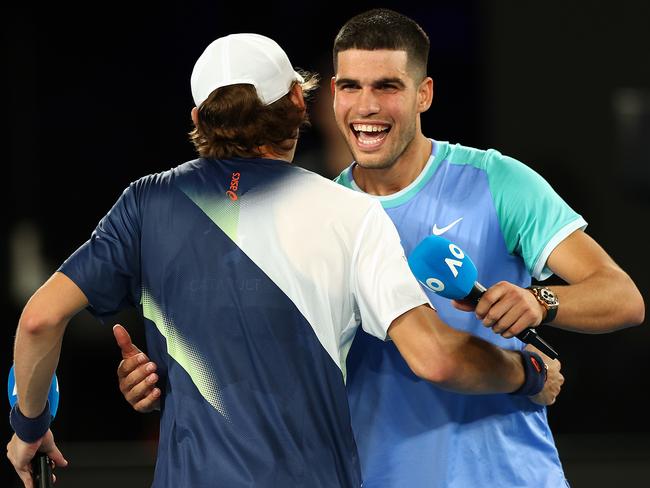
x=604, y=302
x=452, y=359
x=36, y=354
x=480, y=366
x=38, y=339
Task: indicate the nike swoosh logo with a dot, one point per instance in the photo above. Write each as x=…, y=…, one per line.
x=438, y=232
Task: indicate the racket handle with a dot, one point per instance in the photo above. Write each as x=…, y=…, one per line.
x=42, y=471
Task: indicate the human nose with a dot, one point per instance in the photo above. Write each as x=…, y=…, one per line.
x=368, y=103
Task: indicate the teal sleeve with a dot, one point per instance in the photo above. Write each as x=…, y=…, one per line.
x=344, y=178
x=533, y=218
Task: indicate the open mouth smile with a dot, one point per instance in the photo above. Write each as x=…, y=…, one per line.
x=369, y=135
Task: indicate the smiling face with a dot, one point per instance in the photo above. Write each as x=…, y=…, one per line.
x=377, y=105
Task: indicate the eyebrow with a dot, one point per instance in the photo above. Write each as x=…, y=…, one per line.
x=376, y=83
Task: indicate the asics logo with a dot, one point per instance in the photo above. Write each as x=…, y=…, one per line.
x=234, y=186
x=436, y=231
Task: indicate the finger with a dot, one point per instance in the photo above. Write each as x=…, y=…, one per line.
x=510, y=314
x=130, y=365
x=49, y=447
x=518, y=325
x=57, y=457
x=497, y=313
x=124, y=342
x=515, y=318
x=483, y=306
x=136, y=377
x=489, y=298
x=141, y=390
x=150, y=402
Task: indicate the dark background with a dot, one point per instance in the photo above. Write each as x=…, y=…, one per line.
x=96, y=97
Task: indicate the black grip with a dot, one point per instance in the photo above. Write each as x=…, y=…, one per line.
x=530, y=336
x=42, y=471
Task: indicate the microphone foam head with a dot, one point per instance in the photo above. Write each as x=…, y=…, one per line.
x=443, y=267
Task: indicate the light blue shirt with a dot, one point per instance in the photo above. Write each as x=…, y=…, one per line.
x=410, y=433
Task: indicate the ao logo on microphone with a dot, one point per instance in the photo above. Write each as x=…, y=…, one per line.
x=442, y=267
x=434, y=284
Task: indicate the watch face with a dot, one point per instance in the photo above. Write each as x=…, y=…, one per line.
x=548, y=296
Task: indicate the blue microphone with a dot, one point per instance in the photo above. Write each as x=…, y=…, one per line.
x=41, y=466
x=444, y=268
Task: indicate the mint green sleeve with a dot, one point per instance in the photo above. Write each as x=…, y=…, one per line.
x=344, y=178
x=533, y=218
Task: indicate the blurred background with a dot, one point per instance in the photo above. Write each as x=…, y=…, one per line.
x=96, y=97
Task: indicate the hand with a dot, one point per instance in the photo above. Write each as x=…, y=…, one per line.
x=464, y=305
x=554, y=379
x=21, y=453
x=136, y=374
x=508, y=309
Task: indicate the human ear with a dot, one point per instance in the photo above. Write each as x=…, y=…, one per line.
x=297, y=96
x=425, y=94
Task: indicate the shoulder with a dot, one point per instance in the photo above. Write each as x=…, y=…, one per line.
x=166, y=177
x=155, y=186
x=479, y=158
x=337, y=191
x=499, y=167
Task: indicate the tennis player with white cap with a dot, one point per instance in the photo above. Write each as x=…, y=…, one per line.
x=265, y=66
x=252, y=276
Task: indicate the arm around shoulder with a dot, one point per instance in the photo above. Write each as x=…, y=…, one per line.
x=452, y=359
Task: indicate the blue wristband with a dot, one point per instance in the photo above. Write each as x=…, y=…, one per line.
x=534, y=374
x=30, y=430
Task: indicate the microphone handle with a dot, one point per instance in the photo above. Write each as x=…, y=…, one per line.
x=529, y=336
x=42, y=471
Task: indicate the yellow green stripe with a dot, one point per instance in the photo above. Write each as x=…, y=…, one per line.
x=185, y=354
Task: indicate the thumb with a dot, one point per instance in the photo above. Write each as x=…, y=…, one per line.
x=123, y=339
x=50, y=448
x=56, y=456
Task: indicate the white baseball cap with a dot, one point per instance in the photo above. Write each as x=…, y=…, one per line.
x=244, y=58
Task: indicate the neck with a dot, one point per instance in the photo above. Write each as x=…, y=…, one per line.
x=268, y=152
x=399, y=175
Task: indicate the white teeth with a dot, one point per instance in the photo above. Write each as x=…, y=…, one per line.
x=367, y=143
x=369, y=128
